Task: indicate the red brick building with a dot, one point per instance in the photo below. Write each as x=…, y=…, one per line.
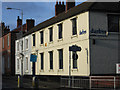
x=8, y=45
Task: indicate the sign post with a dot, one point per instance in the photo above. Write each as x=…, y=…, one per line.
x=33, y=59
x=73, y=48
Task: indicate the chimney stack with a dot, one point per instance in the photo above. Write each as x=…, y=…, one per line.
x=59, y=8
x=19, y=22
x=69, y=4
x=30, y=24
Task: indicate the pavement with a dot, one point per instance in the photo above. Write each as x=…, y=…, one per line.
x=10, y=82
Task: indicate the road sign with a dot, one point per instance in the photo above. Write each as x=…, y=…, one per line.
x=74, y=48
x=33, y=58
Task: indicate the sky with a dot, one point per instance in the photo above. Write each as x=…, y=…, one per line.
x=39, y=11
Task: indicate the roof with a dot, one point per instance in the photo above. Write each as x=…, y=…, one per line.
x=85, y=6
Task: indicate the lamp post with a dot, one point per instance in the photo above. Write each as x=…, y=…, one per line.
x=21, y=33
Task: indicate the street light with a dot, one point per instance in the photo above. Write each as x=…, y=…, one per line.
x=21, y=34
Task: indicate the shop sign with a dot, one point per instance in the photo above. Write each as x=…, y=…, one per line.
x=97, y=32
x=82, y=32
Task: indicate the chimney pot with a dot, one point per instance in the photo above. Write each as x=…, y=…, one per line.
x=62, y=2
x=56, y=2
x=69, y=4
x=19, y=22
x=59, y=2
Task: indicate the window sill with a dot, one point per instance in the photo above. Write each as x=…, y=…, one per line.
x=41, y=70
x=26, y=71
x=18, y=71
x=41, y=44
x=51, y=70
x=51, y=42
x=73, y=36
x=60, y=70
x=59, y=40
x=27, y=49
x=33, y=46
x=74, y=70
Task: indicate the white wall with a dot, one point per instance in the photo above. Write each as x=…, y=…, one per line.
x=68, y=40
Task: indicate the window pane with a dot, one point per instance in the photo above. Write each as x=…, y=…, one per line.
x=22, y=45
x=26, y=43
x=74, y=64
x=41, y=37
x=61, y=59
x=26, y=63
x=42, y=61
x=17, y=46
x=74, y=26
x=18, y=64
x=113, y=23
x=51, y=59
x=51, y=34
x=33, y=39
x=60, y=31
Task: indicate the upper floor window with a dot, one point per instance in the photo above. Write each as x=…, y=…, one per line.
x=8, y=40
x=3, y=42
x=60, y=31
x=74, y=26
x=22, y=45
x=17, y=46
x=33, y=39
x=51, y=59
x=60, y=58
x=113, y=23
x=51, y=34
x=41, y=37
x=26, y=43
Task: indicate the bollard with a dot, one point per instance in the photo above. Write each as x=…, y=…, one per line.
x=35, y=82
x=20, y=85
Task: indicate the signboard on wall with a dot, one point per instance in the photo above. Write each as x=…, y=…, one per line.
x=33, y=58
x=118, y=68
x=98, y=32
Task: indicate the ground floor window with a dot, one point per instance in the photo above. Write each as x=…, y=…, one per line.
x=60, y=58
x=51, y=59
x=42, y=61
x=75, y=56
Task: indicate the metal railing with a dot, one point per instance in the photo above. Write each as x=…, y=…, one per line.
x=91, y=82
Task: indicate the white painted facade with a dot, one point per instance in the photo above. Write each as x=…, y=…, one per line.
x=27, y=65
x=93, y=59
